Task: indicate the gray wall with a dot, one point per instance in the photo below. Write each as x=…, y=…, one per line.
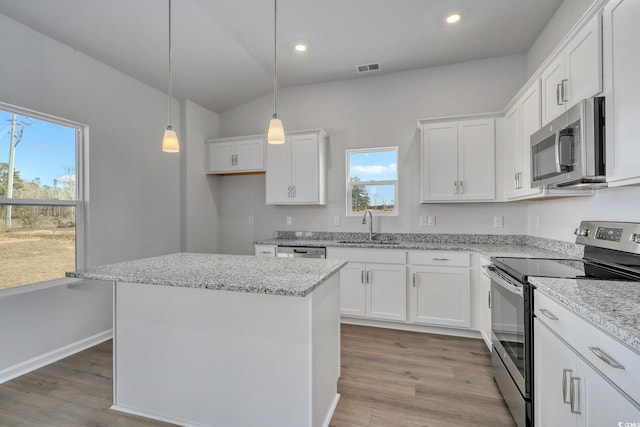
x=200, y=192
x=135, y=198
x=372, y=111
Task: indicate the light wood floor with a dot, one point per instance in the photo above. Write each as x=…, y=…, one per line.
x=389, y=379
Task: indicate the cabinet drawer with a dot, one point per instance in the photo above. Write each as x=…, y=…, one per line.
x=589, y=341
x=387, y=256
x=454, y=259
x=265, y=250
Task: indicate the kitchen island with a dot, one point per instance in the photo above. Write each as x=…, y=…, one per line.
x=224, y=340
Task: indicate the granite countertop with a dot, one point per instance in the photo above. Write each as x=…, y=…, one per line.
x=296, y=277
x=613, y=306
x=488, y=249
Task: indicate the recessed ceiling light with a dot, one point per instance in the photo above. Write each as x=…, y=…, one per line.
x=300, y=47
x=453, y=18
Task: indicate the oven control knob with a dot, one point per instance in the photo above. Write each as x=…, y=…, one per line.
x=635, y=238
x=584, y=232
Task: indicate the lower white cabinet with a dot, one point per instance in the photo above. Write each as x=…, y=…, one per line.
x=569, y=392
x=373, y=290
x=265, y=251
x=440, y=296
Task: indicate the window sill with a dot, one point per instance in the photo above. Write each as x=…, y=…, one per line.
x=33, y=287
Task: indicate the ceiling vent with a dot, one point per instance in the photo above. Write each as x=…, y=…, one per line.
x=367, y=68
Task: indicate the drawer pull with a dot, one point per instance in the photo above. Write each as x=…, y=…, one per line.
x=440, y=259
x=266, y=252
x=605, y=358
x=548, y=314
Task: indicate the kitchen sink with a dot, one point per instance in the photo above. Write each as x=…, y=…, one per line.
x=371, y=242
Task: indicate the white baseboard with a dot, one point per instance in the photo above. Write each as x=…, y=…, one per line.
x=441, y=330
x=53, y=356
x=332, y=409
x=155, y=417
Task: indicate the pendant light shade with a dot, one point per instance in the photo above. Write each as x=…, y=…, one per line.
x=275, y=134
x=170, y=142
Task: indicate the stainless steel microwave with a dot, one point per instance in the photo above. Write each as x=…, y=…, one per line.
x=570, y=150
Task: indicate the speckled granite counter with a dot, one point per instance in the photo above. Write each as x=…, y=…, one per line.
x=613, y=306
x=278, y=276
x=488, y=249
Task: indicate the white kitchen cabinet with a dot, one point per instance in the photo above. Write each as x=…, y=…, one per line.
x=236, y=155
x=569, y=392
x=265, y=251
x=521, y=121
x=622, y=92
x=575, y=74
x=458, y=161
x=296, y=170
x=373, y=284
x=440, y=288
x=569, y=352
x=376, y=291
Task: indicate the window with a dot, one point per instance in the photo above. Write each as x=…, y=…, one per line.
x=40, y=197
x=372, y=181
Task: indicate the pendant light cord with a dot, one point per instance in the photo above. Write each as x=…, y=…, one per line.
x=170, y=66
x=275, y=58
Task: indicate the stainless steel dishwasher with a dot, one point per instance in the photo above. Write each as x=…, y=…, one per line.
x=301, y=252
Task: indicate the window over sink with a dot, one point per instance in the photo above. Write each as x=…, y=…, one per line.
x=372, y=181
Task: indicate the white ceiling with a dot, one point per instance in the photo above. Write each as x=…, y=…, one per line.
x=223, y=49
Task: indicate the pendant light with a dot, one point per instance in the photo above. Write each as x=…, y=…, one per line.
x=170, y=140
x=275, y=134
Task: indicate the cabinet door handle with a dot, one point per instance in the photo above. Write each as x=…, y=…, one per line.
x=606, y=358
x=362, y=276
x=440, y=259
x=289, y=190
x=574, y=391
x=565, y=83
x=489, y=294
x=515, y=180
x=368, y=276
x=460, y=187
x=293, y=188
x=414, y=279
x=564, y=385
x=548, y=314
x=455, y=187
x=558, y=86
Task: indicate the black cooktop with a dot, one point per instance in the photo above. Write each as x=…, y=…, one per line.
x=522, y=268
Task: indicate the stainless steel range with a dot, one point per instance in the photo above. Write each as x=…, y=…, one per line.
x=612, y=252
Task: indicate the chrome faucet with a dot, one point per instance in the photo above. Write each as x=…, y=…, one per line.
x=364, y=221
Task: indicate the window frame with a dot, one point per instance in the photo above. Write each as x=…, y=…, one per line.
x=350, y=185
x=81, y=215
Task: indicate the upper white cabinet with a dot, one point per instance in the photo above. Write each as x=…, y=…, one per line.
x=458, y=161
x=236, y=155
x=521, y=121
x=296, y=170
x=622, y=91
x=575, y=74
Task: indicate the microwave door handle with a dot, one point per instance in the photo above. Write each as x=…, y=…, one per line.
x=558, y=153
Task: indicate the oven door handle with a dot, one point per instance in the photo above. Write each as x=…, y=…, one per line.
x=496, y=277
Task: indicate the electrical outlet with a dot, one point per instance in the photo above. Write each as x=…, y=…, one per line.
x=289, y=220
x=336, y=220
x=431, y=221
x=252, y=220
x=498, y=221
x=423, y=221
x=298, y=233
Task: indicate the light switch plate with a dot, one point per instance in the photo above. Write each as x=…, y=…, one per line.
x=289, y=220
x=252, y=220
x=498, y=221
x=336, y=220
x=423, y=221
x=431, y=221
